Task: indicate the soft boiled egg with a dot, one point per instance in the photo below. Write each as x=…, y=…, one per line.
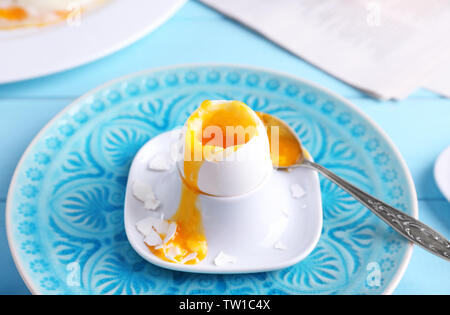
x=226, y=153
x=25, y=13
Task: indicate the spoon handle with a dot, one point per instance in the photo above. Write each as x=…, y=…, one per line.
x=412, y=229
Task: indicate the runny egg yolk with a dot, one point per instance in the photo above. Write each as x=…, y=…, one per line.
x=220, y=127
x=13, y=13
x=206, y=130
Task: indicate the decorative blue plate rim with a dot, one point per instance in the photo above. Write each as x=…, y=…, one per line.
x=33, y=285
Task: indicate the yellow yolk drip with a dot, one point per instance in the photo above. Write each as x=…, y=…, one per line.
x=13, y=13
x=190, y=237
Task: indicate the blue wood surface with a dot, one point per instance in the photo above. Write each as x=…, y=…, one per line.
x=419, y=126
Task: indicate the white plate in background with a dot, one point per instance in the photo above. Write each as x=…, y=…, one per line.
x=33, y=52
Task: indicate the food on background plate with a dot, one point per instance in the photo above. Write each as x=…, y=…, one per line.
x=36, y=13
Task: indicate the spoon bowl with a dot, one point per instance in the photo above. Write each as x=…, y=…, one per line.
x=285, y=147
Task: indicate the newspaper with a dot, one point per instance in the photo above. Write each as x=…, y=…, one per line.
x=386, y=48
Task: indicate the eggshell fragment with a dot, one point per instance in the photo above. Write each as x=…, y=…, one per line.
x=161, y=162
x=149, y=224
x=151, y=204
x=223, y=258
x=280, y=245
x=172, y=252
x=286, y=212
x=145, y=226
x=152, y=239
x=297, y=191
x=161, y=226
x=171, y=230
x=189, y=257
x=276, y=229
x=144, y=193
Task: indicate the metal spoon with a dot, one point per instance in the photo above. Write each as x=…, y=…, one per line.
x=412, y=229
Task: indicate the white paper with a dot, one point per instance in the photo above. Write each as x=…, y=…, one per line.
x=386, y=47
x=439, y=80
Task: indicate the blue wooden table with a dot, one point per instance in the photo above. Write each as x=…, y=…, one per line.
x=419, y=126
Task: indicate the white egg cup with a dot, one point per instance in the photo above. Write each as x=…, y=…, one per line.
x=264, y=229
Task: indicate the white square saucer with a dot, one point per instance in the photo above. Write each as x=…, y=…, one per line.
x=246, y=227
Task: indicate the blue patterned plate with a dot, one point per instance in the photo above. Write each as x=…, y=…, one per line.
x=64, y=210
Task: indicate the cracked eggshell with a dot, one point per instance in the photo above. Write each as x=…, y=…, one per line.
x=153, y=239
x=146, y=225
x=142, y=191
x=232, y=172
x=161, y=162
x=222, y=259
